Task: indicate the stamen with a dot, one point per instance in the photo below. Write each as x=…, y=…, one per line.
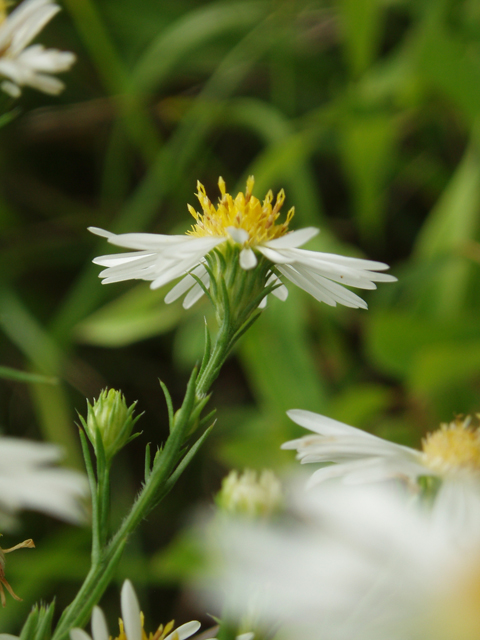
x=249, y=189
x=244, y=212
x=222, y=186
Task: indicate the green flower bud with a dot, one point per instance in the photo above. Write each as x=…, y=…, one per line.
x=250, y=495
x=110, y=420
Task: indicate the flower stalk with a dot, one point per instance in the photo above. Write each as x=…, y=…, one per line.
x=168, y=462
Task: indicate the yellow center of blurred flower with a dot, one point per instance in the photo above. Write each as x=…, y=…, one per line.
x=456, y=614
x=159, y=634
x=244, y=212
x=3, y=10
x=454, y=447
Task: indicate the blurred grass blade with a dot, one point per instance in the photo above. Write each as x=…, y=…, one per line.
x=361, y=26
x=450, y=226
x=189, y=33
x=138, y=314
x=449, y=64
x=368, y=148
x=141, y=130
x=444, y=366
x=53, y=411
x=24, y=376
x=276, y=351
x=285, y=158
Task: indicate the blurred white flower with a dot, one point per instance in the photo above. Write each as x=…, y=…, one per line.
x=24, y=65
x=451, y=454
x=357, y=562
x=251, y=225
x=27, y=482
x=131, y=623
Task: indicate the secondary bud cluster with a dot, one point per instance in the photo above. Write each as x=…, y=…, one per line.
x=250, y=494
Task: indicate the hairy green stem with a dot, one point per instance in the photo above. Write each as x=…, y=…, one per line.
x=167, y=465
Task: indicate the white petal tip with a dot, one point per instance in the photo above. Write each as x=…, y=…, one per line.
x=184, y=631
x=100, y=232
x=248, y=259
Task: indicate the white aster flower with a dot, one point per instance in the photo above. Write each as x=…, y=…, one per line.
x=131, y=623
x=251, y=226
x=349, y=563
x=28, y=482
x=451, y=454
x=24, y=65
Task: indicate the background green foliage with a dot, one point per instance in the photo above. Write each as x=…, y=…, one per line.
x=365, y=111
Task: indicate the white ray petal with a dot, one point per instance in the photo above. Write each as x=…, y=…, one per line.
x=248, y=259
x=281, y=292
x=337, y=291
x=130, y=612
x=79, y=634
x=274, y=256
x=103, y=233
x=116, y=259
x=263, y=303
x=175, y=271
x=185, y=630
x=195, y=293
x=311, y=287
x=293, y=239
x=339, y=470
x=238, y=235
x=187, y=283
x=325, y=426
x=99, y=625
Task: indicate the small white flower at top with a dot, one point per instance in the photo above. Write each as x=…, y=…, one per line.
x=22, y=65
x=132, y=623
x=451, y=455
x=251, y=226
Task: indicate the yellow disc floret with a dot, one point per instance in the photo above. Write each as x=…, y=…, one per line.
x=159, y=634
x=454, y=447
x=244, y=212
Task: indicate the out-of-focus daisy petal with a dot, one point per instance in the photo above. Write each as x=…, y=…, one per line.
x=25, y=65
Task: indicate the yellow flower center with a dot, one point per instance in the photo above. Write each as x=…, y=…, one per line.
x=3, y=10
x=455, y=615
x=159, y=634
x=244, y=212
x=454, y=447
